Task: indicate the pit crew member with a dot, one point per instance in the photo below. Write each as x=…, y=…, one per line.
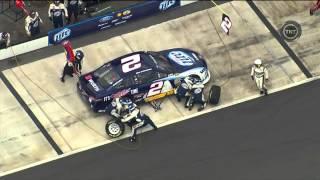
x=32, y=23
x=129, y=113
x=74, y=61
x=259, y=74
x=193, y=87
x=57, y=11
x=4, y=40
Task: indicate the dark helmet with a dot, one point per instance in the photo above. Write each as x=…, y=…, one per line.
x=56, y=2
x=4, y=35
x=194, y=78
x=79, y=54
x=32, y=13
x=127, y=103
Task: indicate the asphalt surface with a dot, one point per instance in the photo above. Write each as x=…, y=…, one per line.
x=273, y=137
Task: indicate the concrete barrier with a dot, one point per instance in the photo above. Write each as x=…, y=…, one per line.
x=43, y=42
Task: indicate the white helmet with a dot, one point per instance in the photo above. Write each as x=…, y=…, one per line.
x=258, y=62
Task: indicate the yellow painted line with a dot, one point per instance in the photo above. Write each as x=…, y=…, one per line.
x=218, y=6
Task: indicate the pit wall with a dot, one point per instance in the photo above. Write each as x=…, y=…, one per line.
x=95, y=24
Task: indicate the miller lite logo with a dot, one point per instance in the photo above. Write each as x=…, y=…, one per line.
x=64, y=33
x=166, y=4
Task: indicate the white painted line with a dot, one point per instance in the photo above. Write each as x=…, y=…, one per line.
x=24, y=48
x=160, y=125
x=185, y=2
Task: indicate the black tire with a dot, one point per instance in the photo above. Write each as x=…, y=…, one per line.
x=214, y=94
x=114, y=128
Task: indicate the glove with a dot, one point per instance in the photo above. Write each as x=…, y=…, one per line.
x=252, y=77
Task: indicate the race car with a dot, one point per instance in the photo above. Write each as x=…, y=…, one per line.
x=143, y=76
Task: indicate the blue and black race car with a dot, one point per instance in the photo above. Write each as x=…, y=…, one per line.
x=141, y=76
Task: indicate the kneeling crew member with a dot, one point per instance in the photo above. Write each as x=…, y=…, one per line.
x=129, y=113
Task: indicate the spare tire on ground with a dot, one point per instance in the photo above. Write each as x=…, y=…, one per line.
x=114, y=128
x=214, y=94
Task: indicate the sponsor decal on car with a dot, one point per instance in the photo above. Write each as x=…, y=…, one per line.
x=158, y=96
x=120, y=93
x=61, y=35
x=181, y=58
x=94, y=85
x=166, y=4
x=105, y=19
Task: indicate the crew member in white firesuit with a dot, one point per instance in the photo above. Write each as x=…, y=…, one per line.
x=32, y=23
x=57, y=12
x=128, y=112
x=73, y=7
x=4, y=40
x=192, y=87
x=259, y=73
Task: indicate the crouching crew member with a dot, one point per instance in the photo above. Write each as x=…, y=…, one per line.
x=74, y=61
x=129, y=113
x=192, y=88
x=259, y=74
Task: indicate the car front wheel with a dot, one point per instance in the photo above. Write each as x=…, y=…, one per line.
x=214, y=94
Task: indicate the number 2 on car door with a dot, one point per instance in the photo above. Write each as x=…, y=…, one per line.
x=155, y=88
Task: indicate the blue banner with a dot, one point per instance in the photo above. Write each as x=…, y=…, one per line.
x=111, y=20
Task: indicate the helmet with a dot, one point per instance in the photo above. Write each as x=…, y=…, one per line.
x=56, y=2
x=194, y=78
x=127, y=103
x=32, y=13
x=257, y=62
x=4, y=35
x=79, y=54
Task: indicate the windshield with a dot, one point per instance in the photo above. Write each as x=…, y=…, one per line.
x=107, y=75
x=161, y=62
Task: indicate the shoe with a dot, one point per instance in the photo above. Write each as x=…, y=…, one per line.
x=261, y=92
x=266, y=92
x=62, y=80
x=71, y=75
x=201, y=108
x=132, y=139
x=155, y=127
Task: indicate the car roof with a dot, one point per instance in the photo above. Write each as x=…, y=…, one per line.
x=144, y=60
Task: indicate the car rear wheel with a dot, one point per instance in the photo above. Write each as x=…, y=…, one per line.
x=114, y=128
x=214, y=94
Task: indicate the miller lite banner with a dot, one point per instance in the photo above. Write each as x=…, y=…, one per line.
x=110, y=20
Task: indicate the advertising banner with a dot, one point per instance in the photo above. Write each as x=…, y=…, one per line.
x=112, y=19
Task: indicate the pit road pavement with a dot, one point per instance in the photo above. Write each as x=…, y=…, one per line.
x=275, y=137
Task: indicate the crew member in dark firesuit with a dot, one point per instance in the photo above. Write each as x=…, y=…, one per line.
x=73, y=7
x=32, y=23
x=57, y=11
x=74, y=61
x=4, y=40
x=192, y=87
x=128, y=112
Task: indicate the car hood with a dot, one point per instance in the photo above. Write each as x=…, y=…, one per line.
x=183, y=59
